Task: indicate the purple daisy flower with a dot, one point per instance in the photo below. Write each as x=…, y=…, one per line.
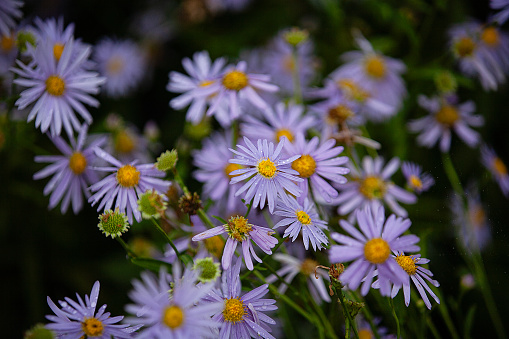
x=125, y=185
x=8, y=53
x=236, y=85
x=58, y=87
x=317, y=163
x=269, y=175
x=173, y=310
x=416, y=180
x=444, y=116
x=240, y=231
x=297, y=218
x=122, y=63
x=371, y=185
x=242, y=316
x=72, y=172
x=9, y=11
x=503, y=7
x=80, y=319
x=496, y=167
x=371, y=249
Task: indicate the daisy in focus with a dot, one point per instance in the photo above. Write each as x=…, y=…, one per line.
x=416, y=180
x=58, y=88
x=124, y=186
x=371, y=186
x=268, y=175
x=445, y=115
x=80, y=319
x=497, y=168
x=297, y=218
x=371, y=248
x=122, y=63
x=243, y=316
x=9, y=11
x=240, y=231
x=72, y=171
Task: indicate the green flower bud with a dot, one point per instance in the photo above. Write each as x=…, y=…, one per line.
x=295, y=36
x=23, y=38
x=113, y=223
x=445, y=82
x=39, y=332
x=209, y=270
x=167, y=160
x=152, y=204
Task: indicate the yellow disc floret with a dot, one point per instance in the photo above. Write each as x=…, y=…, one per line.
x=215, y=245
x=305, y=165
x=373, y=187
x=173, y=317
x=58, y=49
x=55, y=85
x=376, y=251
x=365, y=334
x=303, y=217
x=407, y=263
x=447, y=115
x=7, y=42
x=375, y=66
x=235, y=80
x=115, y=65
x=238, y=228
x=124, y=142
x=499, y=166
x=464, y=47
x=415, y=182
x=230, y=168
x=352, y=90
x=234, y=310
x=308, y=266
x=92, y=327
x=266, y=168
x=128, y=176
x=284, y=132
x=339, y=114
x=490, y=36
x=77, y=163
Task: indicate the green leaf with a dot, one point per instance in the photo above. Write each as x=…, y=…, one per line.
x=186, y=259
x=151, y=264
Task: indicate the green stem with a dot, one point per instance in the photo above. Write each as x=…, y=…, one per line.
x=346, y=312
x=391, y=302
x=130, y=253
x=367, y=315
x=180, y=182
x=167, y=239
x=321, y=316
x=205, y=218
x=452, y=175
x=297, y=91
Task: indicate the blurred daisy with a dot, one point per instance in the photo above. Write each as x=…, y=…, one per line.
x=471, y=221
x=288, y=121
x=177, y=311
x=444, y=116
x=496, y=167
x=127, y=144
x=297, y=218
x=125, y=185
x=269, y=175
x=150, y=286
x=371, y=249
x=240, y=231
x=195, y=88
x=9, y=11
x=235, y=85
x=371, y=186
x=243, y=316
x=292, y=266
x=416, y=180
x=58, y=88
x=503, y=7
x=80, y=319
x=122, y=63
x=72, y=171
x=8, y=52
x=317, y=163
x=51, y=31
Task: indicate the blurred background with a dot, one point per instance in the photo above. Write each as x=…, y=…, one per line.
x=45, y=253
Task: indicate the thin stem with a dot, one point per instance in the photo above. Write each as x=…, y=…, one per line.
x=367, y=315
x=346, y=311
x=321, y=315
x=450, y=171
x=205, y=218
x=297, y=91
x=168, y=240
x=180, y=182
x=130, y=253
x=391, y=302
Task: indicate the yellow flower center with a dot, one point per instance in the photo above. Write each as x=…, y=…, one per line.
x=234, y=310
x=230, y=168
x=407, y=263
x=284, y=132
x=447, y=115
x=124, y=143
x=55, y=85
x=235, y=80
x=490, y=36
x=215, y=245
x=92, y=327
x=7, y=42
x=303, y=217
x=266, y=168
x=173, y=317
x=308, y=266
x=352, y=90
x=77, y=163
x=499, y=166
x=415, y=182
x=58, y=49
x=339, y=114
x=238, y=228
x=376, y=251
x=375, y=66
x=128, y=176
x=305, y=165
x=372, y=187
x=365, y=334
x=115, y=65
x=464, y=47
